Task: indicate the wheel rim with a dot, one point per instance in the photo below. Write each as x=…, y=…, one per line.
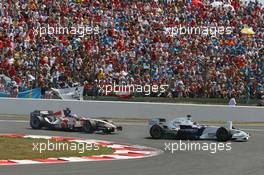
x=223, y=135
x=35, y=122
x=87, y=128
x=156, y=132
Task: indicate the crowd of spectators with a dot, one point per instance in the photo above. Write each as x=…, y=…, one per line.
x=132, y=46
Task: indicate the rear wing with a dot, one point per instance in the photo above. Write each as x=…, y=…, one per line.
x=41, y=112
x=229, y=125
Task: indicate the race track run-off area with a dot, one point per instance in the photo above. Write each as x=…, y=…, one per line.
x=245, y=158
x=121, y=151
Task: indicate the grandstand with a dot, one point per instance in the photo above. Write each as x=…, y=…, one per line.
x=100, y=42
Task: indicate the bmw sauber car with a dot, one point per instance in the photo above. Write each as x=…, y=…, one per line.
x=186, y=129
x=57, y=121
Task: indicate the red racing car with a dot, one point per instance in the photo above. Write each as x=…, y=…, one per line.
x=64, y=120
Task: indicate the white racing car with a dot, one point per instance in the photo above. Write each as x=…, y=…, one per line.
x=186, y=129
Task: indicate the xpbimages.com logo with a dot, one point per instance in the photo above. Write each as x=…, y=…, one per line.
x=79, y=30
x=198, y=30
x=64, y=146
x=132, y=88
x=211, y=147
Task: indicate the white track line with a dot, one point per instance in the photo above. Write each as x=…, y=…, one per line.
x=13, y=121
x=132, y=102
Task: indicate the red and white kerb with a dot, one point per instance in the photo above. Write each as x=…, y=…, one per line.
x=122, y=151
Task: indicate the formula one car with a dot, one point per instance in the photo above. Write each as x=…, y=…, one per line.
x=63, y=120
x=186, y=129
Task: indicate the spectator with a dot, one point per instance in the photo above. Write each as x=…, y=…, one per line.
x=133, y=47
x=232, y=102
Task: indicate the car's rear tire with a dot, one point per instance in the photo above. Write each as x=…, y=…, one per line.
x=35, y=123
x=89, y=126
x=223, y=134
x=156, y=132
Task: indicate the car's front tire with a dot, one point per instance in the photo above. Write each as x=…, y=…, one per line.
x=108, y=131
x=89, y=127
x=223, y=134
x=35, y=123
x=156, y=132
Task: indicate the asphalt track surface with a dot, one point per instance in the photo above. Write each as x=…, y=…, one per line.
x=244, y=158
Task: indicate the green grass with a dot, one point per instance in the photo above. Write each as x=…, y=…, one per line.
x=22, y=148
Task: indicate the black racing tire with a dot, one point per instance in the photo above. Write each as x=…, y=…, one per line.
x=156, y=132
x=35, y=123
x=107, y=131
x=223, y=134
x=89, y=126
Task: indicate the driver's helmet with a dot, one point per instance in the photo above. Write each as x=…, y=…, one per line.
x=67, y=111
x=189, y=117
x=75, y=116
